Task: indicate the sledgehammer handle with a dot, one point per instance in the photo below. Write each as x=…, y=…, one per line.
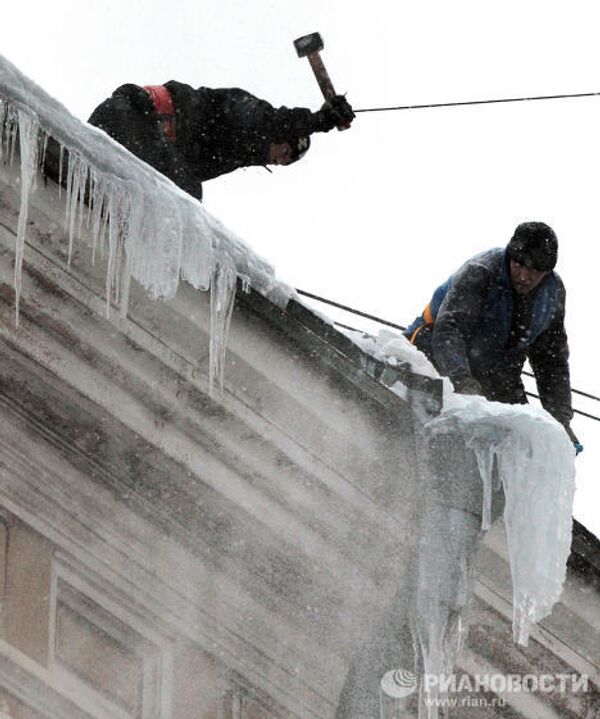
x=314, y=58
x=321, y=74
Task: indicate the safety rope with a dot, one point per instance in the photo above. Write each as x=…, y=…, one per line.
x=350, y=309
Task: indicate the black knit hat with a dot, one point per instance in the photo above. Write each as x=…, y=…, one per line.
x=534, y=245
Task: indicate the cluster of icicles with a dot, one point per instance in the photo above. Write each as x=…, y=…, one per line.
x=526, y=463
x=144, y=229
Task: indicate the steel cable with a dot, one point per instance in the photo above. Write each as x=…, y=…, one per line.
x=464, y=103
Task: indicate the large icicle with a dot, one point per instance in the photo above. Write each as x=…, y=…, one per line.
x=485, y=459
x=538, y=475
x=530, y=454
x=449, y=537
x=444, y=581
x=29, y=147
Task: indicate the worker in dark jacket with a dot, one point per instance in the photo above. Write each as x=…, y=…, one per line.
x=194, y=135
x=500, y=308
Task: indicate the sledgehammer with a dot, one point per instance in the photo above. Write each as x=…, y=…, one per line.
x=310, y=46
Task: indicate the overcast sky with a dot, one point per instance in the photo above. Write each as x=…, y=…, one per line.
x=377, y=216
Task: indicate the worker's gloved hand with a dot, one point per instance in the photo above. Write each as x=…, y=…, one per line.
x=466, y=384
x=336, y=112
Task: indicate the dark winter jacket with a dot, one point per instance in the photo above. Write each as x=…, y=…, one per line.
x=217, y=130
x=221, y=130
x=476, y=325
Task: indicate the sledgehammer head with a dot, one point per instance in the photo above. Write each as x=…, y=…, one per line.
x=310, y=46
x=308, y=43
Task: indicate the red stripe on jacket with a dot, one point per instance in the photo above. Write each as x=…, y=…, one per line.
x=163, y=104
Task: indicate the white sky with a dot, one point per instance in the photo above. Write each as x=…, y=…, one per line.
x=377, y=216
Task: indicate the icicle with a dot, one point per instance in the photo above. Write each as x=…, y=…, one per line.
x=523, y=617
x=485, y=452
x=3, y=119
x=116, y=281
x=73, y=184
x=60, y=168
x=443, y=585
x=14, y=126
x=222, y=296
x=155, y=249
x=200, y=245
x=117, y=272
x=537, y=470
x=92, y=182
x=28, y=140
x=246, y=284
x=9, y=131
x=77, y=178
x=533, y=459
x=135, y=223
x=105, y=219
x=112, y=244
x=45, y=138
x=69, y=199
x=83, y=178
x=6, y=118
x=43, y=146
x=98, y=196
x=125, y=285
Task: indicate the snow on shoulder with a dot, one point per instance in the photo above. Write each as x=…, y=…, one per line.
x=166, y=235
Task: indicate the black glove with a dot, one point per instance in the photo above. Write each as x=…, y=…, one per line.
x=334, y=112
x=466, y=384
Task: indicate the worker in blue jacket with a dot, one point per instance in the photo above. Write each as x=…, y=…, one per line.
x=500, y=308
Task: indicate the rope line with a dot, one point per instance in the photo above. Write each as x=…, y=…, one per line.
x=464, y=103
x=350, y=309
x=577, y=391
x=575, y=411
x=346, y=308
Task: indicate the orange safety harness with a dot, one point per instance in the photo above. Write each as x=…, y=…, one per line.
x=163, y=104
